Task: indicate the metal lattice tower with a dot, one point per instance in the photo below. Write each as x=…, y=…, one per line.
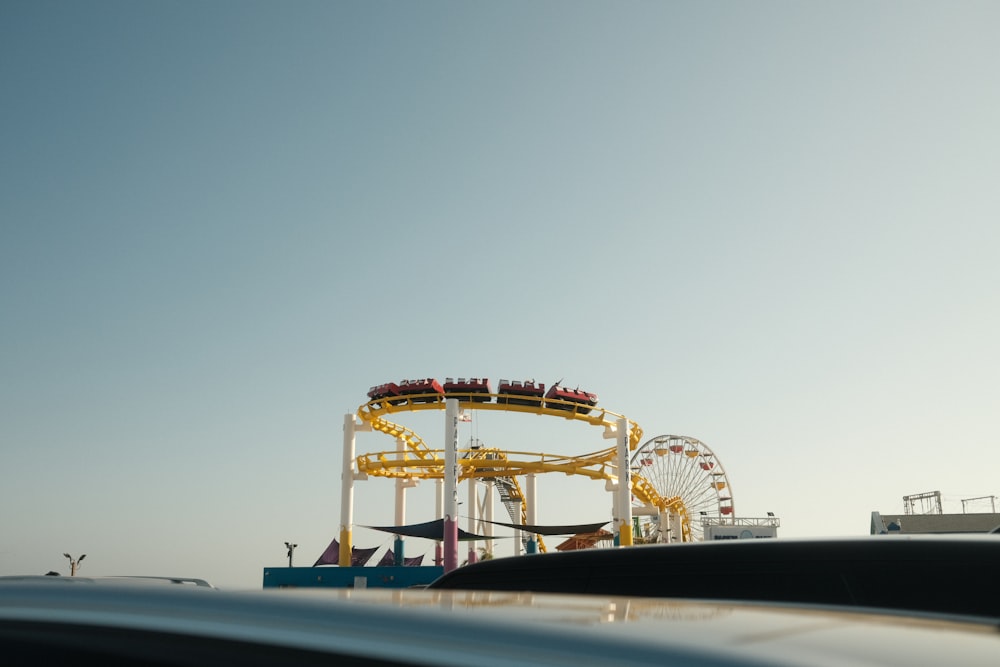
x=930, y=503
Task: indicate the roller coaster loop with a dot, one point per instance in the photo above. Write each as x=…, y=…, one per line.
x=417, y=461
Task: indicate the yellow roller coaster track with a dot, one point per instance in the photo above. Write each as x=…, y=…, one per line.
x=417, y=461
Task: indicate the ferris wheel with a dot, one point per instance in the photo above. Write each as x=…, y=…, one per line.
x=679, y=466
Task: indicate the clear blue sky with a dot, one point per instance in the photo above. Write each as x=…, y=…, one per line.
x=769, y=226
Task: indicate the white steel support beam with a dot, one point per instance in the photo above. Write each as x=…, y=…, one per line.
x=473, y=503
x=488, y=514
x=438, y=514
x=531, y=496
x=401, y=485
x=347, y=491
x=451, y=485
x=624, y=486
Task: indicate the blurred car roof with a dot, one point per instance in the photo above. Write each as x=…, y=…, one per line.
x=187, y=625
x=113, y=579
x=947, y=574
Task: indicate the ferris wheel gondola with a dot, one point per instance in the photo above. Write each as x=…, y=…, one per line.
x=679, y=466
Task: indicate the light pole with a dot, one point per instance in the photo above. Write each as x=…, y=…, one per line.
x=74, y=564
x=291, y=548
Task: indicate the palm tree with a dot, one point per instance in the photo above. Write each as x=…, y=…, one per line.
x=74, y=564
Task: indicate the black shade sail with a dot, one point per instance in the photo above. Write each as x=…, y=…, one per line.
x=434, y=530
x=431, y=530
x=571, y=529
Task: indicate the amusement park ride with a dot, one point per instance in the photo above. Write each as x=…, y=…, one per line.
x=677, y=483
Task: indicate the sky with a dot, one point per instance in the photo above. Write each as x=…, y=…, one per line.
x=772, y=227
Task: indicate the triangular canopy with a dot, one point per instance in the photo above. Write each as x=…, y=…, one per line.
x=585, y=540
x=431, y=530
x=554, y=530
x=331, y=556
x=389, y=559
x=434, y=530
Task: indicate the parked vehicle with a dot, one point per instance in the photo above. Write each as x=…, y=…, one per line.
x=166, y=626
x=951, y=574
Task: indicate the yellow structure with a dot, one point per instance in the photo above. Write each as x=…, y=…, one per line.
x=414, y=460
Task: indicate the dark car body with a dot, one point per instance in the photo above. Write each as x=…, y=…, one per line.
x=126, y=624
x=950, y=574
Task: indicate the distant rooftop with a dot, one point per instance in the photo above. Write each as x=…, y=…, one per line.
x=933, y=523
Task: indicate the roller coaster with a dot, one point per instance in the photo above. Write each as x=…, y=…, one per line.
x=672, y=477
